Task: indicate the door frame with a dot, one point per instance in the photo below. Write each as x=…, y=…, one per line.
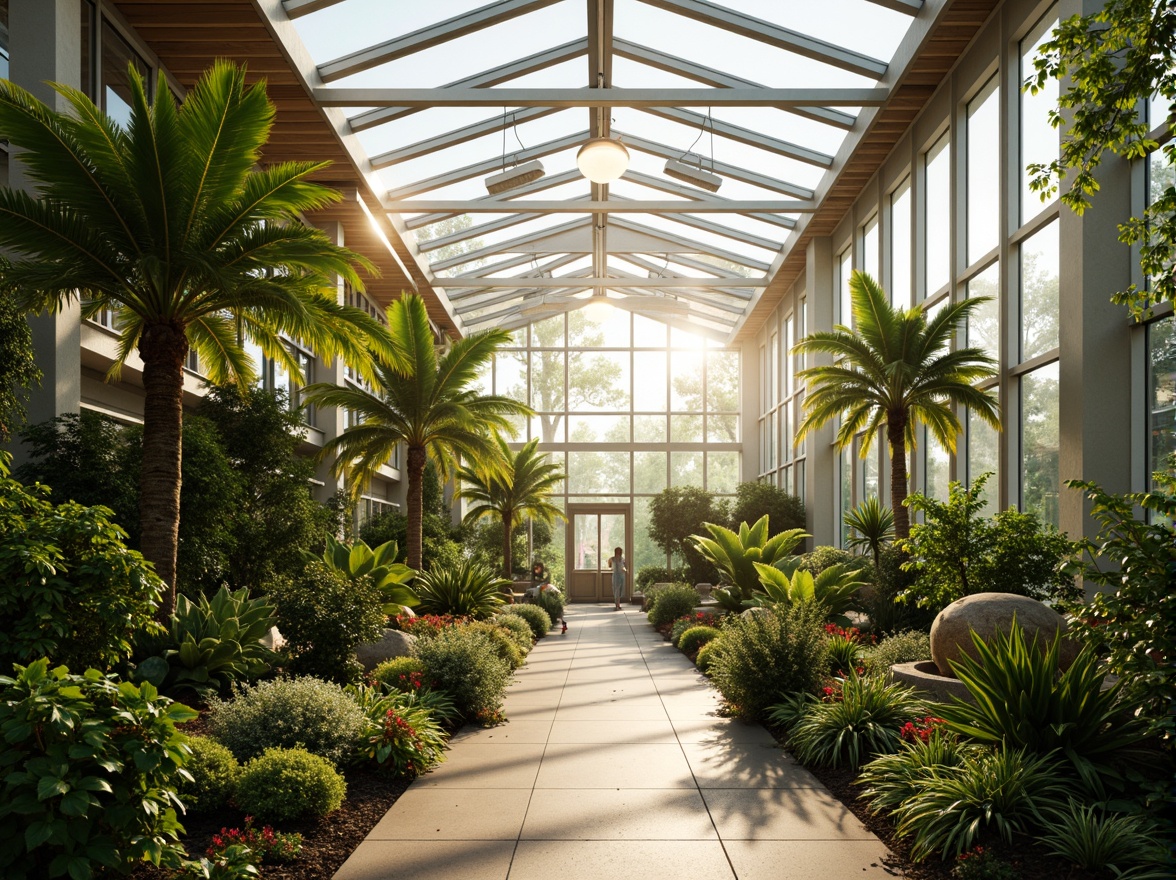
x=603, y=593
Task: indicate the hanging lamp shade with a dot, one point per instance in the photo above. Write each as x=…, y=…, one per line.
x=602, y=159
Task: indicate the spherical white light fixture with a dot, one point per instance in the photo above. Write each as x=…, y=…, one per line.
x=602, y=159
x=599, y=309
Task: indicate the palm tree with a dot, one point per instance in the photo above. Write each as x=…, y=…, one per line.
x=896, y=370
x=171, y=223
x=510, y=487
x=430, y=405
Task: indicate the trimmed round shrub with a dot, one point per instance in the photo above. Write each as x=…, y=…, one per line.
x=519, y=628
x=768, y=654
x=707, y=654
x=903, y=647
x=466, y=665
x=695, y=637
x=285, y=784
x=215, y=773
x=503, y=641
x=536, y=618
x=308, y=713
x=672, y=602
x=397, y=673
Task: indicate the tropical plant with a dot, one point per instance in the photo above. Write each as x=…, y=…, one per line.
x=671, y=603
x=466, y=589
x=390, y=577
x=87, y=774
x=429, y=403
x=285, y=784
x=738, y=556
x=69, y=587
x=835, y=589
x=863, y=722
x=896, y=368
x=1021, y=699
x=213, y=773
x=401, y=736
x=871, y=526
x=1087, y=836
x=173, y=223
x=536, y=618
x=511, y=486
x=466, y=665
x=756, y=498
x=318, y=716
x=845, y=649
x=892, y=779
x=212, y=642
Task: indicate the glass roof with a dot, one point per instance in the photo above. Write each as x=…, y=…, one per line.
x=496, y=264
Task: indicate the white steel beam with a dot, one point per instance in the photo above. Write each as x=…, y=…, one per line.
x=524, y=243
x=664, y=184
x=596, y=283
x=543, y=183
x=910, y=7
x=743, y=135
x=299, y=8
x=460, y=136
x=586, y=206
x=782, y=99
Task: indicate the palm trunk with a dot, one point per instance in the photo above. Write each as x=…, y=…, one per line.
x=416, y=478
x=507, y=545
x=896, y=434
x=163, y=348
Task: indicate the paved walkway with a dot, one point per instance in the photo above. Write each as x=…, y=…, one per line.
x=614, y=766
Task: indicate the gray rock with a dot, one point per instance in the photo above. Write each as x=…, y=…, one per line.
x=394, y=644
x=987, y=613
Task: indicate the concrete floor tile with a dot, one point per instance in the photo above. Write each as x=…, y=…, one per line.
x=630, y=731
x=514, y=731
x=455, y=814
x=531, y=709
x=782, y=814
x=483, y=765
x=429, y=860
x=745, y=765
x=709, y=729
x=804, y=859
x=625, y=765
x=620, y=860
x=617, y=814
x=571, y=710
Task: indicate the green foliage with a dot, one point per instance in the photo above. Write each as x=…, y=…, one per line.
x=1114, y=60
x=535, y=617
x=983, y=864
x=505, y=646
x=466, y=665
x=521, y=630
x=1094, y=840
x=820, y=558
x=211, y=643
x=695, y=637
x=398, y=673
x=401, y=736
x=835, y=589
x=439, y=544
x=903, y=647
x=388, y=576
x=69, y=587
x=707, y=654
x=871, y=526
x=957, y=552
x=738, y=556
x=1133, y=620
x=325, y=616
x=893, y=779
x=755, y=499
x=767, y=654
x=18, y=366
x=214, y=773
x=315, y=715
x=648, y=575
x=1001, y=792
x=844, y=653
x=465, y=589
x=680, y=626
x=885, y=605
x=233, y=863
x=288, y=783
x=672, y=602
x=88, y=774
x=1022, y=700
x=677, y=514
x=864, y=722
x=551, y=600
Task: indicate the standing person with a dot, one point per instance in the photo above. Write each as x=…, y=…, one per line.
x=618, y=576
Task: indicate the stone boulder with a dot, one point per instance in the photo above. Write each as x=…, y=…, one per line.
x=985, y=614
x=393, y=644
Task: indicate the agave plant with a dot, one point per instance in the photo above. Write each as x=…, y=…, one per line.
x=836, y=587
x=467, y=589
x=872, y=526
x=390, y=577
x=737, y=555
x=211, y=643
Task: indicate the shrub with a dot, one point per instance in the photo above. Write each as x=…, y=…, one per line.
x=1024, y=702
x=69, y=587
x=891, y=780
x=648, y=575
x=285, y=784
x=820, y=558
x=695, y=637
x=903, y=647
x=504, y=643
x=426, y=625
x=707, y=654
x=325, y=615
x=1094, y=840
x=551, y=600
x=845, y=648
x=285, y=713
x=388, y=576
x=672, y=602
x=680, y=626
x=676, y=514
x=536, y=618
x=466, y=665
x=864, y=721
x=267, y=845
x=767, y=654
x=888, y=613
x=71, y=797
x=466, y=589
x=754, y=499
x=521, y=630
x=401, y=736
x=214, y=776
x=400, y=673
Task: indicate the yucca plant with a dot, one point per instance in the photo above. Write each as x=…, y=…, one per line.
x=864, y=722
x=736, y=555
x=890, y=780
x=1128, y=846
x=211, y=643
x=836, y=587
x=468, y=589
x=871, y=526
x=1022, y=700
x=390, y=577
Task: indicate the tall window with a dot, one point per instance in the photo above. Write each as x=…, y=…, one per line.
x=871, y=249
x=937, y=216
x=1161, y=393
x=983, y=225
x=900, y=246
x=844, y=270
x=1039, y=139
x=117, y=54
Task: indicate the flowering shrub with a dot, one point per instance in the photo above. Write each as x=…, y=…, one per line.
x=981, y=864
x=399, y=673
x=921, y=729
x=425, y=626
x=266, y=845
x=845, y=647
x=688, y=621
x=402, y=735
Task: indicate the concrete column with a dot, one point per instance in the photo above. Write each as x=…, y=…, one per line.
x=750, y=407
x=821, y=470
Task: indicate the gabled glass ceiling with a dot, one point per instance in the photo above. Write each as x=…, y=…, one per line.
x=674, y=248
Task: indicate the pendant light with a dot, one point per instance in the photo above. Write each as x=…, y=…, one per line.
x=602, y=159
x=696, y=175
x=512, y=178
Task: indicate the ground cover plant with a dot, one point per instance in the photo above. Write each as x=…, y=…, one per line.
x=265, y=844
